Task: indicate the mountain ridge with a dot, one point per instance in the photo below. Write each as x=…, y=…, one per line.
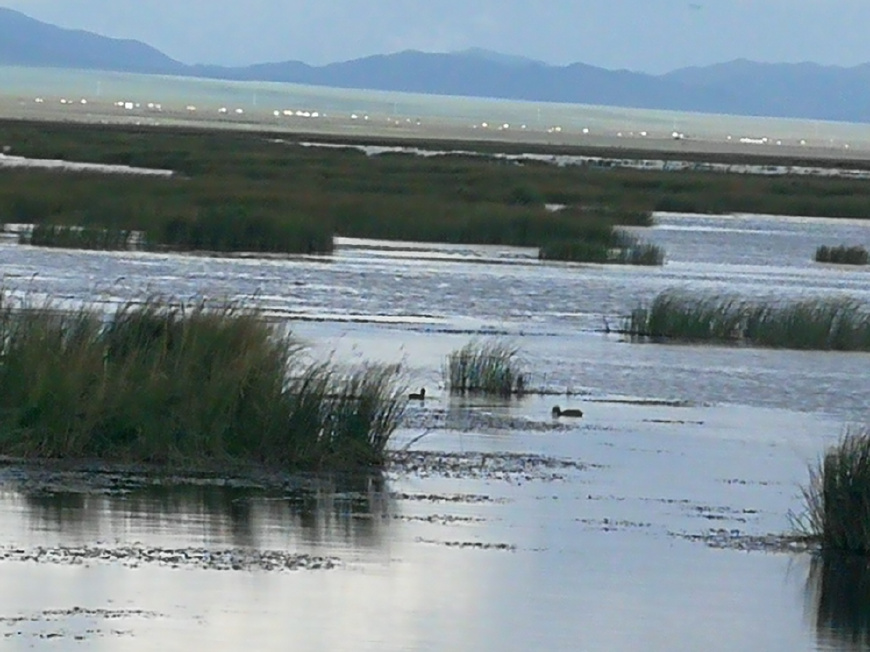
x=740, y=87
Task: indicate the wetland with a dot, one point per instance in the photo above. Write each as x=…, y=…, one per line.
x=659, y=520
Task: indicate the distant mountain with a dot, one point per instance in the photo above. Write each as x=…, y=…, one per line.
x=740, y=87
x=28, y=42
x=799, y=90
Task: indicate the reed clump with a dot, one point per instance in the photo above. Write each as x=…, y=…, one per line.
x=623, y=249
x=841, y=324
x=187, y=385
x=75, y=237
x=597, y=238
x=485, y=367
x=837, y=498
x=843, y=255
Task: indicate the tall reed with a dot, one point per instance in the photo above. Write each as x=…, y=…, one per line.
x=485, y=367
x=841, y=324
x=837, y=498
x=183, y=384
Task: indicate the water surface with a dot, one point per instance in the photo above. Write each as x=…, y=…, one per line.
x=654, y=522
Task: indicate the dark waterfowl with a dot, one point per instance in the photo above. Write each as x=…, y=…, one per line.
x=418, y=396
x=559, y=412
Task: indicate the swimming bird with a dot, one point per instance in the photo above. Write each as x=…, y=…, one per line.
x=418, y=396
x=559, y=412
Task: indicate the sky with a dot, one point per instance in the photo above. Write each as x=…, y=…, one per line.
x=652, y=36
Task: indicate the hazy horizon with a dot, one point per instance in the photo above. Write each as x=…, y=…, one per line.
x=653, y=36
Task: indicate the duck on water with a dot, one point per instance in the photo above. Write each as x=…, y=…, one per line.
x=418, y=396
x=559, y=412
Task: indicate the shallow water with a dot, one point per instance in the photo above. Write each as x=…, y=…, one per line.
x=654, y=522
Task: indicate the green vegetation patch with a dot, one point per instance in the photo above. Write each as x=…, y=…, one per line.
x=187, y=385
x=841, y=324
x=843, y=255
x=75, y=237
x=485, y=367
x=597, y=239
x=837, y=498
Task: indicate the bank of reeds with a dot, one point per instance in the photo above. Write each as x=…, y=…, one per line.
x=489, y=367
x=186, y=385
x=837, y=498
x=233, y=229
x=842, y=255
x=75, y=237
x=841, y=324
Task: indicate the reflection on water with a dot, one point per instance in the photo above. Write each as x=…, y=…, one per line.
x=531, y=533
x=343, y=510
x=838, y=589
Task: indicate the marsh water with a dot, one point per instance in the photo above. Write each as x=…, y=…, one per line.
x=655, y=522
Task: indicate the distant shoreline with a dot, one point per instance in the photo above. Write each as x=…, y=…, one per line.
x=435, y=135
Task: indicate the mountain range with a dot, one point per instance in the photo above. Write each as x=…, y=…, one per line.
x=802, y=90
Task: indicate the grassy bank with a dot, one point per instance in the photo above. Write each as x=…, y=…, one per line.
x=250, y=191
x=485, y=367
x=837, y=498
x=842, y=255
x=822, y=324
x=183, y=384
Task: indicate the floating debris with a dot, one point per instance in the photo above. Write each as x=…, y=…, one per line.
x=196, y=558
x=734, y=539
x=448, y=498
x=440, y=519
x=508, y=467
x=470, y=545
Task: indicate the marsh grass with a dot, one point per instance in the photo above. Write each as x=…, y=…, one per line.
x=640, y=253
x=485, y=367
x=598, y=238
x=163, y=383
x=250, y=192
x=620, y=249
x=75, y=237
x=231, y=227
x=821, y=324
x=837, y=498
x=842, y=255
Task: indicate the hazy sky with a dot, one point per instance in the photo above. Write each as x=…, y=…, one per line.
x=646, y=35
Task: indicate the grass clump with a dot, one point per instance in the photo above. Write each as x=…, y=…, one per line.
x=485, y=367
x=840, y=324
x=843, y=255
x=630, y=251
x=837, y=498
x=597, y=238
x=75, y=237
x=186, y=385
